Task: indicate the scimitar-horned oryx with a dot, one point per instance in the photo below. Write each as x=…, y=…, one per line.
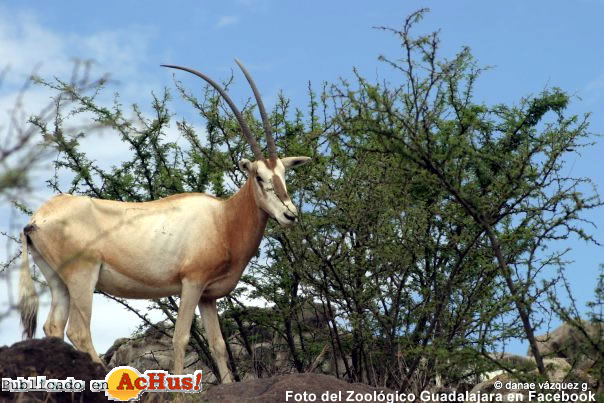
x=193, y=245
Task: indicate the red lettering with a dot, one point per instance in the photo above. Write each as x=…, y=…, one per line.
x=140, y=383
x=156, y=381
x=125, y=381
x=187, y=383
x=173, y=383
x=198, y=381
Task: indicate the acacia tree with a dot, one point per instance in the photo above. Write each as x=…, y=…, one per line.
x=501, y=165
x=402, y=274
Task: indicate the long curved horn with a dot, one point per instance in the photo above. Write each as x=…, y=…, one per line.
x=244, y=127
x=268, y=130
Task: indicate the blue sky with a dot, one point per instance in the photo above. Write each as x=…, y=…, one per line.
x=531, y=46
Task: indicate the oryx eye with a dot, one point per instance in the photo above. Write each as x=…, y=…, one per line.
x=259, y=179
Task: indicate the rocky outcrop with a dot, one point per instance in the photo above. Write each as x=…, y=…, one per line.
x=264, y=352
x=560, y=372
x=571, y=344
x=153, y=350
x=55, y=359
x=569, y=358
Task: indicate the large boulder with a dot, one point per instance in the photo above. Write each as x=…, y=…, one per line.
x=55, y=359
x=153, y=349
x=570, y=343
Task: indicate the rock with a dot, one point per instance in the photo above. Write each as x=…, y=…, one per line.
x=488, y=387
x=266, y=354
x=313, y=317
x=109, y=353
x=274, y=389
x=559, y=370
x=153, y=350
x=55, y=359
x=569, y=343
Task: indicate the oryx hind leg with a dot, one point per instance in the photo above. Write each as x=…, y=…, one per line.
x=189, y=297
x=59, y=305
x=81, y=278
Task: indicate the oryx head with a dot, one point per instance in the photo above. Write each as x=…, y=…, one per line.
x=267, y=175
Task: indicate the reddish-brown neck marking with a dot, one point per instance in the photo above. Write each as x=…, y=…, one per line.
x=245, y=222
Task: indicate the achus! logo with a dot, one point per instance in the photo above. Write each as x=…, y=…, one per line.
x=127, y=383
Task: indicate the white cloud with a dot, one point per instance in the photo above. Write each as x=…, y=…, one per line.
x=25, y=44
x=227, y=20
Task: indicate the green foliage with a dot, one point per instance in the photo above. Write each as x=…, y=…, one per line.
x=157, y=168
x=494, y=173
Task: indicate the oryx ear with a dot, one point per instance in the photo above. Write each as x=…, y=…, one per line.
x=293, y=162
x=245, y=165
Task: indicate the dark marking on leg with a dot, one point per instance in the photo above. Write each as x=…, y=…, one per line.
x=29, y=228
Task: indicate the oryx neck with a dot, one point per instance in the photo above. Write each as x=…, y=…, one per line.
x=245, y=220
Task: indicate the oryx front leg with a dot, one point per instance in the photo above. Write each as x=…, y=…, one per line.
x=189, y=296
x=209, y=313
